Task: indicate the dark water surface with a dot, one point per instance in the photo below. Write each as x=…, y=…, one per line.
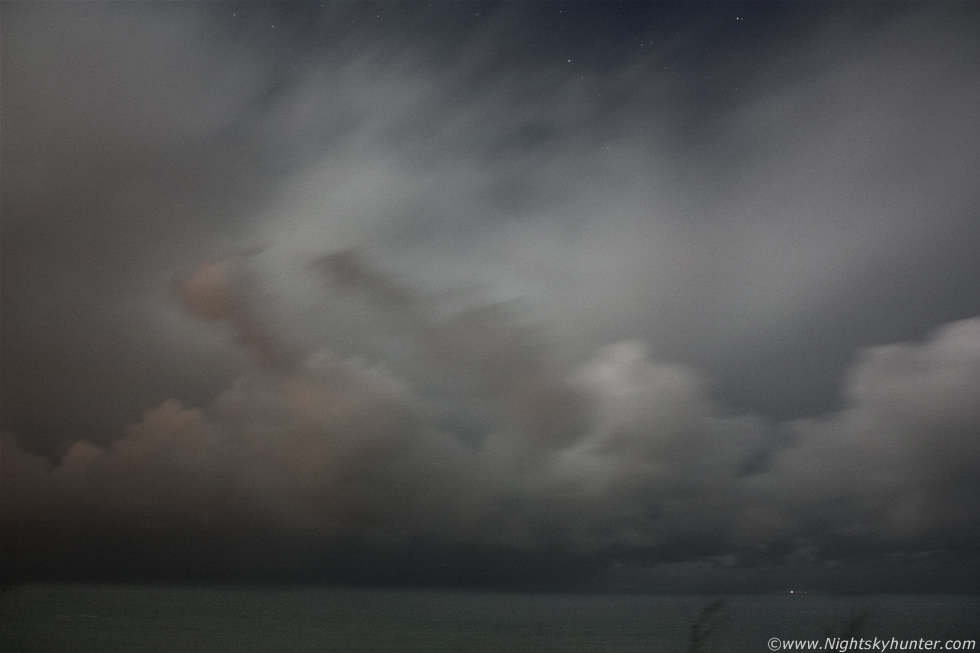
x=162, y=618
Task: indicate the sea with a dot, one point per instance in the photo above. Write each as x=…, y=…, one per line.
x=149, y=618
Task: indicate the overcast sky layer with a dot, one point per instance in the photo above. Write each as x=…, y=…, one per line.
x=657, y=296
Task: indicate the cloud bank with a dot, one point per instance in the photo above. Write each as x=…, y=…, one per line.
x=584, y=283
x=624, y=453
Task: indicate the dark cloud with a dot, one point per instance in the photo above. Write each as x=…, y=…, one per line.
x=588, y=285
x=125, y=159
x=905, y=447
x=338, y=451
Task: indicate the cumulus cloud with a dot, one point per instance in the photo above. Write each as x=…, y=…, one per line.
x=736, y=211
x=622, y=452
x=576, y=296
x=898, y=463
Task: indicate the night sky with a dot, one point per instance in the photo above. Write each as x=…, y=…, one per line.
x=545, y=295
